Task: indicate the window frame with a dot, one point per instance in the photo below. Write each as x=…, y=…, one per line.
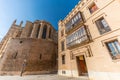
x=77, y=37
x=63, y=59
x=115, y=48
x=91, y=5
x=101, y=27
x=44, y=32
x=62, y=45
x=73, y=22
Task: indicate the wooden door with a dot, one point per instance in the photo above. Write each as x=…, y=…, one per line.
x=82, y=65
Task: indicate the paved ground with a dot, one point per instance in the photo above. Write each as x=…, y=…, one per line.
x=39, y=77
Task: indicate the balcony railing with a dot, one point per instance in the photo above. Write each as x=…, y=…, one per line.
x=78, y=37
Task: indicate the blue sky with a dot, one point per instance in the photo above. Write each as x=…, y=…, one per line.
x=31, y=10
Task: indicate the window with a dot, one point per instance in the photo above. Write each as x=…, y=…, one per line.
x=114, y=49
x=102, y=25
x=63, y=59
x=40, y=57
x=77, y=37
x=93, y=8
x=62, y=46
x=63, y=72
x=62, y=33
x=44, y=32
x=74, y=21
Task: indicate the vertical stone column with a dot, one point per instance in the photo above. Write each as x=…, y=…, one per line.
x=47, y=33
x=34, y=31
x=52, y=32
x=41, y=31
x=41, y=28
x=26, y=32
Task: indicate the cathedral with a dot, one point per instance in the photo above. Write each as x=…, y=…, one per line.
x=31, y=49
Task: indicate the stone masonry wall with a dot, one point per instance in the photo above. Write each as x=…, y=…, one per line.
x=40, y=55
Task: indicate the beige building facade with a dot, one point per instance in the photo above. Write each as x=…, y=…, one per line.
x=89, y=41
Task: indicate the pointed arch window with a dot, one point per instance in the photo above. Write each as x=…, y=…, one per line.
x=44, y=32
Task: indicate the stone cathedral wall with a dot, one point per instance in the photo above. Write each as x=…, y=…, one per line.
x=31, y=49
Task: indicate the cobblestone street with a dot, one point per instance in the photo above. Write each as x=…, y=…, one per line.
x=39, y=77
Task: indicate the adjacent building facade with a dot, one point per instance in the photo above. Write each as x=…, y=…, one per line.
x=89, y=41
x=30, y=50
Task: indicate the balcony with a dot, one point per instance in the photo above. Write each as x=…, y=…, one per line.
x=74, y=27
x=79, y=37
x=74, y=23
